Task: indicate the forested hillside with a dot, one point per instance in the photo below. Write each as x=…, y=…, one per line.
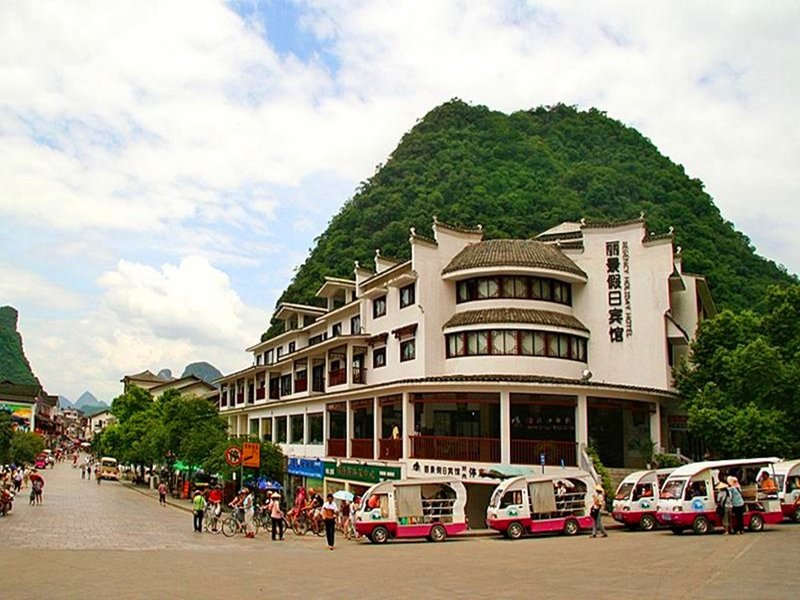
x=522, y=173
x=14, y=367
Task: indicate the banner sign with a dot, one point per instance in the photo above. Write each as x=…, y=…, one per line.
x=251, y=454
x=307, y=467
x=363, y=473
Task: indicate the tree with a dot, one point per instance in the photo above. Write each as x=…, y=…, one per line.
x=741, y=386
x=133, y=401
x=272, y=460
x=6, y=435
x=25, y=447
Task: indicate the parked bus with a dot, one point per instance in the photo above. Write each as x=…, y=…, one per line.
x=542, y=503
x=413, y=508
x=636, y=499
x=787, y=478
x=109, y=468
x=687, y=499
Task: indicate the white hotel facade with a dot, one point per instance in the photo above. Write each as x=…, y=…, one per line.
x=478, y=355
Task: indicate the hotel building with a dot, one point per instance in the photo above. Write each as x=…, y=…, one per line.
x=477, y=356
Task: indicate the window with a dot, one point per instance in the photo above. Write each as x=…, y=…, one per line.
x=280, y=430
x=315, y=429
x=266, y=428
x=513, y=342
x=296, y=429
x=407, y=350
x=286, y=384
x=292, y=347
x=407, y=294
x=254, y=427
x=379, y=357
x=355, y=325
x=336, y=330
x=526, y=288
x=378, y=307
x=279, y=352
x=316, y=339
x=268, y=357
x=258, y=359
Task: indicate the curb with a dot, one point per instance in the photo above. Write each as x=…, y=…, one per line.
x=170, y=502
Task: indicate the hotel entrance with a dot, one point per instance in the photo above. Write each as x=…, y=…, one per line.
x=620, y=431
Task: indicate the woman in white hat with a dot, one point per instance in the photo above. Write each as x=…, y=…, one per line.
x=598, y=502
x=723, y=499
x=276, y=514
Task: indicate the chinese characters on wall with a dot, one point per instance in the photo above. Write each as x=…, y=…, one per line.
x=620, y=320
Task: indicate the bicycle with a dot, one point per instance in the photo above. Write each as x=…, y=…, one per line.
x=213, y=519
x=235, y=524
x=303, y=523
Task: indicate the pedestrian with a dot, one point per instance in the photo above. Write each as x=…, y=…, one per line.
x=248, y=506
x=345, y=516
x=737, y=504
x=199, y=505
x=354, y=510
x=17, y=480
x=83, y=471
x=88, y=472
x=162, y=494
x=598, y=502
x=97, y=475
x=723, y=500
x=36, y=489
x=329, y=511
x=276, y=515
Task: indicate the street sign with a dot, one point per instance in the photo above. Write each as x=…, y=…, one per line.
x=251, y=454
x=233, y=456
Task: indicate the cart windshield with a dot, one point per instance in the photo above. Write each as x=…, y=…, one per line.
x=624, y=491
x=673, y=489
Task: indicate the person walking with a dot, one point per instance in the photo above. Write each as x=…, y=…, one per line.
x=724, y=505
x=199, y=506
x=162, y=494
x=329, y=511
x=248, y=506
x=83, y=471
x=598, y=502
x=344, y=511
x=737, y=504
x=89, y=471
x=276, y=515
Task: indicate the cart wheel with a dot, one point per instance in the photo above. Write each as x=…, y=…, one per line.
x=438, y=533
x=648, y=523
x=379, y=535
x=515, y=531
x=756, y=523
x=571, y=527
x=701, y=526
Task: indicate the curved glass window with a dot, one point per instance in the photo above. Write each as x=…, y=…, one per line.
x=516, y=342
x=519, y=287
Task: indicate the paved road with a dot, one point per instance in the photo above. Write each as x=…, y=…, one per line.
x=112, y=542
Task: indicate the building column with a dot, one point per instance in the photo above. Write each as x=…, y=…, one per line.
x=505, y=427
x=348, y=428
x=305, y=431
x=348, y=366
x=582, y=421
x=655, y=426
x=376, y=437
x=325, y=429
x=408, y=427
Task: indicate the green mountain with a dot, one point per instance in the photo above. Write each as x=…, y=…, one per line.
x=14, y=367
x=205, y=371
x=520, y=174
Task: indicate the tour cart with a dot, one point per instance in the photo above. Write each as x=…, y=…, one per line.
x=413, y=508
x=687, y=499
x=636, y=499
x=542, y=503
x=787, y=478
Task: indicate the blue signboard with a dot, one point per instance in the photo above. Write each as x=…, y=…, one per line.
x=307, y=467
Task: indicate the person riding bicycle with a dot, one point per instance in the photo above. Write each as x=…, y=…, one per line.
x=314, y=507
x=236, y=505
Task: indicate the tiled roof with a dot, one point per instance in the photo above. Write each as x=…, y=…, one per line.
x=513, y=253
x=515, y=315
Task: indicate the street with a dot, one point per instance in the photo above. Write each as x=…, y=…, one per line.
x=109, y=541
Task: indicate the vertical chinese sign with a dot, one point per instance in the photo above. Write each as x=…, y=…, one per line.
x=620, y=320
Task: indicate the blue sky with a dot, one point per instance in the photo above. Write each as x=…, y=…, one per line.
x=161, y=177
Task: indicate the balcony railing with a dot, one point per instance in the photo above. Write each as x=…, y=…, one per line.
x=529, y=452
x=337, y=377
x=391, y=449
x=359, y=374
x=300, y=385
x=455, y=448
x=362, y=448
x=240, y=398
x=337, y=448
x=261, y=393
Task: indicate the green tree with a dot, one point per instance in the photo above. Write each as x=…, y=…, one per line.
x=131, y=402
x=272, y=460
x=741, y=385
x=6, y=435
x=25, y=447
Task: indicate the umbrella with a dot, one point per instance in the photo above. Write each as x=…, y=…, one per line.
x=343, y=495
x=265, y=484
x=35, y=476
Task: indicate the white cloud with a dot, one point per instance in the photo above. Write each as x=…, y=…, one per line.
x=23, y=287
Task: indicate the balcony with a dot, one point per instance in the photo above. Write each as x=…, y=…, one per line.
x=455, y=448
x=337, y=377
x=391, y=449
x=300, y=385
x=239, y=397
x=261, y=393
x=528, y=452
x=337, y=447
x=359, y=374
x=362, y=448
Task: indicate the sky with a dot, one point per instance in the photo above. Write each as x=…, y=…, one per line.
x=166, y=166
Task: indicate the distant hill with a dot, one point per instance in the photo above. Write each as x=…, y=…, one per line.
x=205, y=371
x=64, y=402
x=14, y=366
x=87, y=399
x=521, y=174
x=165, y=374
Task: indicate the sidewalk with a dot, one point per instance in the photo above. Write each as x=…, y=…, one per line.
x=175, y=503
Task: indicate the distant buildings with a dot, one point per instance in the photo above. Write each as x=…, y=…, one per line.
x=191, y=385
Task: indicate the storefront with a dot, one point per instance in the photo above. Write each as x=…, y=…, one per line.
x=21, y=414
x=356, y=478
x=304, y=472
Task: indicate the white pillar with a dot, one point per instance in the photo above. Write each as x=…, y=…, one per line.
x=348, y=367
x=348, y=428
x=305, y=431
x=408, y=426
x=582, y=421
x=376, y=427
x=655, y=427
x=505, y=427
x=325, y=429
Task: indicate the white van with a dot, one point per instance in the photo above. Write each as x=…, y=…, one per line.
x=108, y=468
x=413, y=508
x=687, y=499
x=636, y=499
x=542, y=503
x=787, y=478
